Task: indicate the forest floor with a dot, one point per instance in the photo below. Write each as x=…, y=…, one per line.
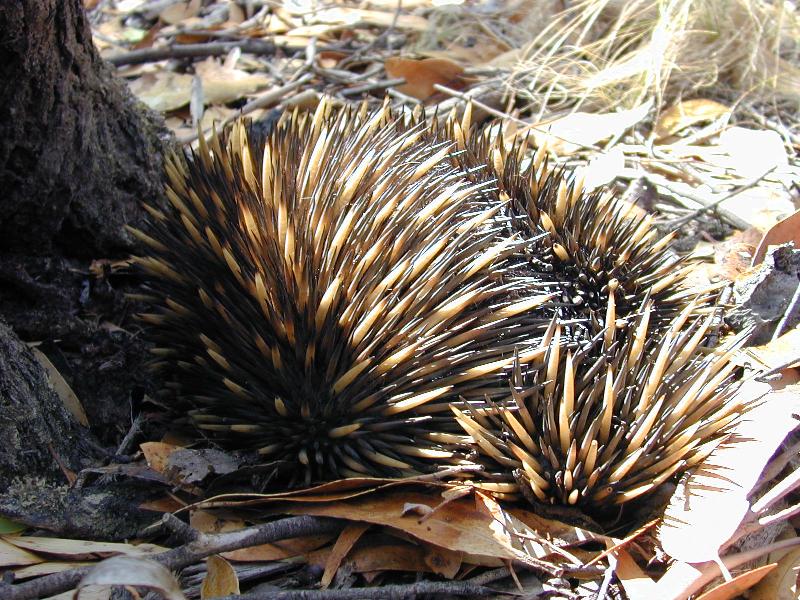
x=689, y=111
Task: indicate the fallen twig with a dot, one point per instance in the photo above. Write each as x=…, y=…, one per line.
x=145, y=55
x=202, y=546
x=713, y=206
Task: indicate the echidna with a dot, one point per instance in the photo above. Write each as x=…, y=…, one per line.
x=625, y=395
x=594, y=432
x=593, y=238
x=325, y=296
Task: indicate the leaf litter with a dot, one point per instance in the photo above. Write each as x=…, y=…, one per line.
x=707, y=119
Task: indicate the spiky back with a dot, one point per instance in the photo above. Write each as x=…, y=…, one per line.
x=596, y=432
x=594, y=240
x=325, y=296
x=625, y=395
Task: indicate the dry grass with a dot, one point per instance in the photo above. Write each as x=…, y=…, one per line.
x=599, y=54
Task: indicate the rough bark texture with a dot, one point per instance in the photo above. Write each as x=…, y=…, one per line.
x=79, y=315
x=37, y=434
x=78, y=155
x=77, y=152
x=41, y=443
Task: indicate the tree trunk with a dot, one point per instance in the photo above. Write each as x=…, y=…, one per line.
x=77, y=152
x=78, y=155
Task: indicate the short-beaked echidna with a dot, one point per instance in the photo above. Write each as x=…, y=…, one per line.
x=626, y=395
x=601, y=426
x=324, y=296
x=593, y=238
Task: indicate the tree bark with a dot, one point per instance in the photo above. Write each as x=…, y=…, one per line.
x=78, y=155
x=77, y=152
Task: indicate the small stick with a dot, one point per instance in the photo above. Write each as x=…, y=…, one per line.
x=710, y=206
x=202, y=546
x=145, y=55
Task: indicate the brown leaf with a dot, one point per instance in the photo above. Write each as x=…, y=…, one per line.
x=221, y=521
x=175, y=14
x=738, y=585
x=354, y=18
x=787, y=230
x=163, y=505
x=569, y=134
x=781, y=582
x=48, y=568
x=344, y=544
x=442, y=561
x=279, y=550
x=220, y=579
x=134, y=571
x=422, y=75
x=157, y=455
x=164, y=90
x=457, y=526
x=11, y=555
x=222, y=84
x=635, y=582
x=68, y=397
x=80, y=549
x=781, y=353
x=686, y=113
x=377, y=556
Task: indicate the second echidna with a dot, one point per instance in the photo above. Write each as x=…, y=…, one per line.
x=626, y=394
x=324, y=296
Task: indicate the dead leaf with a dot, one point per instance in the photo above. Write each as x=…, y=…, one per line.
x=236, y=14
x=163, y=505
x=213, y=522
x=781, y=582
x=48, y=568
x=580, y=130
x=157, y=455
x=220, y=579
x=780, y=353
x=138, y=572
x=328, y=492
x=731, y=258
x=175, y=14
x=377, y=556
x=222, y=85
x=686, y=113
x=478, y=55
x=356, y=18
x=13, y=556
x=738, y=585
x=62, y=389
x=635, y=582
x=751, y=152
x=457, y=526
x=187, y=466
x=344, y=544
x=422, y=75
x=421, y=510
x=328, y=59
x=786, y=230
x=602, y=168
x=442, y=561
x=163, y=91
x=80, y=549
x=709, y=504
